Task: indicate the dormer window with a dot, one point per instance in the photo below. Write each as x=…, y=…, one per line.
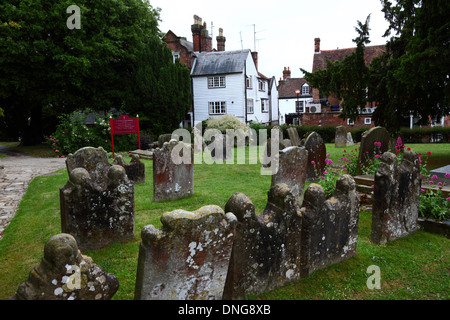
x=305, y=89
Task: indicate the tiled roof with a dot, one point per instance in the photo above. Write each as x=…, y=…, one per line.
x=370, y=52
x=220, y=62
x=287, y=87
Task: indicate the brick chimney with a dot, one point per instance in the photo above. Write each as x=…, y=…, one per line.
x=196, y=29
x=221, y=41
x=205, y=40
x=286, y=73
x=317, y=45
x=255, y=59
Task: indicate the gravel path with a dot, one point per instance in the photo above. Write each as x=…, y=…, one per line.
x=16, y=172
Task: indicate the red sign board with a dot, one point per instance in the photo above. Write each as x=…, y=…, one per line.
x=124, y=125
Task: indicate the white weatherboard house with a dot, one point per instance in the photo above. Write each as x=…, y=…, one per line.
x=228, y=82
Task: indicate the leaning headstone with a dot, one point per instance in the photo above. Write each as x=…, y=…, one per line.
x=396, y=197
x=317, y=153
x=98, y=211
x=292, y=166
x=342, y=138
x=294, y=137
x=367, y=147
x=173, y=172
x=330, y=227
x=187, y=259
x=135, y=169
x=164, y=138
x=265, y=252
x=65, y=274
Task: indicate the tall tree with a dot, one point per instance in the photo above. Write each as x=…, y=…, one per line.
x=346, y=79
x=47, y=69
x=411, y=78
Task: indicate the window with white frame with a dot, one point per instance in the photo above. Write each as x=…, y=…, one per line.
x=250, y=107
x=261, y=85
x=217, y=107
x=216, y=82
x=298, y=106
x=264, y=105
x=350, y=122
x=305, y=89
x=367, y=120
x=175, y=56
x=248, y=82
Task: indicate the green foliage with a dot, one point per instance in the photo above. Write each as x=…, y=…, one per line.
x=433, y=205
x=72, y=134
x=49, y=70
x=227, y=121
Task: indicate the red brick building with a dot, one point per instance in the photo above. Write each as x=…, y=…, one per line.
x=331, y=106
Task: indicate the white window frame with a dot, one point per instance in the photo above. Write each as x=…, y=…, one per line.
x=216, y=82
x=350, y=123
x=250, y=106
x=264, y=105
x=299, y=107
x=367, y=120
x=261, y=85
x=217, y=107
x=305, y=89
x=248, y=82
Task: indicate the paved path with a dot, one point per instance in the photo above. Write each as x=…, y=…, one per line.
x=17, y=172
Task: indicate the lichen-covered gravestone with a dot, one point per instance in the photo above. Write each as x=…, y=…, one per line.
x=292, y=166
x=187, y=259
x=396, y=197
x=97, y=203
x=330, y=226
x=173, y=171
x=294, y=137
x=135, y=169
x=266, y=247
x=342, y=137
x=317, y=153
x=65, y=274
x=367, y=147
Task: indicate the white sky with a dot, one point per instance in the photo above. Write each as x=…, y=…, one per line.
x=285, y=29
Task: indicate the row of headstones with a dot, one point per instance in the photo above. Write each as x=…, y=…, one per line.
x=214, y=254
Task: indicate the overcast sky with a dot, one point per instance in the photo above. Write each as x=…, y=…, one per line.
x=285, y=29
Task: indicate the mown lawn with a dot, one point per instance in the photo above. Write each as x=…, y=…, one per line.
x=416, y=267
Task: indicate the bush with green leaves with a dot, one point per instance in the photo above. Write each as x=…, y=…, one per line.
x=227, y=121
x=72, y=134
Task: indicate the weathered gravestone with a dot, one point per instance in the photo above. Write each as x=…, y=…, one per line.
x=367, y=147
x=282, y=144
x=342, y=137
x=187, y=259
x=317, y=153
x=292, y=166
x=173, y=171
x=294, y=137
x=65, y=274
x=135, y=169
x=164, y=138
x=97, y=203
x=329, y=226
x=221, y=148
x=266, y=247
x=396, y=197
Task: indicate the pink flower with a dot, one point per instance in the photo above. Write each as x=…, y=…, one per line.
x=448, y=199
x=422, y=190
x=447, y=175
x=430, y=182
x=440, y=183
x=434, y=176
x=372, y=186
x=313, y=162
x=408, y=149
x=428, y=153
x=56, y=150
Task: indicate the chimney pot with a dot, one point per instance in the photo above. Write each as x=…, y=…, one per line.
x=317, y=45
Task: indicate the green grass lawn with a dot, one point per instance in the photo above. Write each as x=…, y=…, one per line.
x=416, y=267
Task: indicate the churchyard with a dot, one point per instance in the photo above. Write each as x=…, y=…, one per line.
x=412, y=266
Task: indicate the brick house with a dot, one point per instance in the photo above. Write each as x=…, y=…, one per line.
x=330, y=106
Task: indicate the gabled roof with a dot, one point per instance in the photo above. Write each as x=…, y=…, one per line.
x=220, y=62
x=287, y=87
x=370, y=52
x=170, y=36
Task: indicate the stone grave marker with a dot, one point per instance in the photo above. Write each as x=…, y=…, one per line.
x=266, y=247
x=317, y=153
x=367, y=147
x=342, y=137
x=294, y=137
x=173, y=179
x=135, y=169
x=396, y=197
x=292, y=166
x=330, y=226
x=188, y=257
x=97, y=203
x=65, y=274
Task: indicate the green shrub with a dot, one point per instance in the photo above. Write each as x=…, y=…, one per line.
x=72, y=134
x=227, y=121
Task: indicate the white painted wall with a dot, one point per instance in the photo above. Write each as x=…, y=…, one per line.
x=287, y=106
